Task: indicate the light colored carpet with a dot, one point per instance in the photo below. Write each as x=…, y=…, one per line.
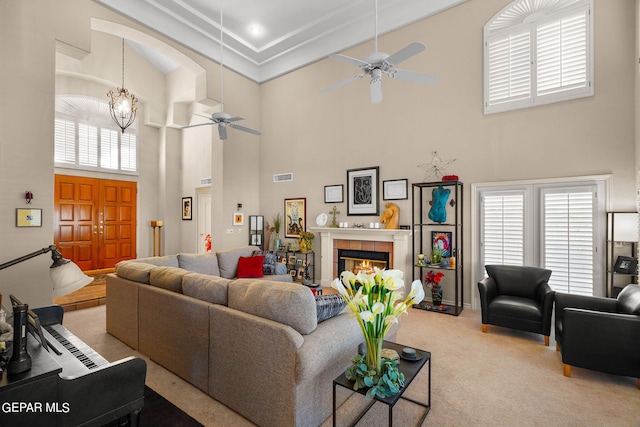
x=501, y=378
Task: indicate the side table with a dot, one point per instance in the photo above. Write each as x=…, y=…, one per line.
x=410, y=369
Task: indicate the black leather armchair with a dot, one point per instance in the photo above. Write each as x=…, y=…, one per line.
x=517, y=297
x=601, y=334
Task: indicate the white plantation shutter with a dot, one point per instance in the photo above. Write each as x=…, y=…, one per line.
x=108, y=148
x=502, y=239
x=569, y=240
x=65, y=141
x=538, y=52
x=128, y=152
x=562, y=54
x=87, y=145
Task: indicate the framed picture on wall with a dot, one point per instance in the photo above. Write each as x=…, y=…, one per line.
x=238, y=218
x=362, y=191
x=395, y=189
x=334, y=193
x=28, y=217
x=187, y=205
x=295, y=216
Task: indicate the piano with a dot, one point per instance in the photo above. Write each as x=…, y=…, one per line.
x=70, y=384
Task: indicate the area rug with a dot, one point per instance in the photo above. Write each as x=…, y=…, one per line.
x=158, y=411
x=424, y=305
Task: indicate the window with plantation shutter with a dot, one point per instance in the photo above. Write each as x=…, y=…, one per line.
x=538, y=52
x=86, y=137
x=557, y=226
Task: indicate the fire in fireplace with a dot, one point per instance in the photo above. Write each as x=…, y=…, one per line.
x=361, y=261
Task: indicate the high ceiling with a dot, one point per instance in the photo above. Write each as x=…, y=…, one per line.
x=264, y=39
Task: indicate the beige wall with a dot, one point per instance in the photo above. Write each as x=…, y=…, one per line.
x=319, y=136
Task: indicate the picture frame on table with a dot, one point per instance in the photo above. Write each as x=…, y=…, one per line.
x=442, y=240
x=187, y=208
x=625, y=265
x=395, y=189
x=334, y=193
x=362, y=191
x=295, y=216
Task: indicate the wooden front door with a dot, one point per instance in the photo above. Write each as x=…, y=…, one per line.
x=95, y=220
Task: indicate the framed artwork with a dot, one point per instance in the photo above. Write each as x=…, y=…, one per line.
x=334, y=193
x=187, y=205
x=295, y=217
x=625, y=265
x=362, y=191
x=238, y=218
x=442, y=240
x=28, y=217
x=395, y=189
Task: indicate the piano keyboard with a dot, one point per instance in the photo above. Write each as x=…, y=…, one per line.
x=73, y=346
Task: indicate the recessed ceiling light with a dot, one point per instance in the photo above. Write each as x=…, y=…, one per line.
x=256, y=30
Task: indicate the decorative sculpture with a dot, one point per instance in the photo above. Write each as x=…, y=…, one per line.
x=438, y=211
x=391, y=216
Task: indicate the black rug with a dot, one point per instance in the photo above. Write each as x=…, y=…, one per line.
x=158, y=411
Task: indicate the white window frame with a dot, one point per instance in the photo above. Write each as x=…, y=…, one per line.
x=101, y=122
x=533, y=222
x=522, y=17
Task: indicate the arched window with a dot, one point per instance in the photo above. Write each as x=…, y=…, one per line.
x=87, y=138
x=538, y=52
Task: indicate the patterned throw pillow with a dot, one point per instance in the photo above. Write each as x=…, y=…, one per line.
x=269, y=266
x=328, y=306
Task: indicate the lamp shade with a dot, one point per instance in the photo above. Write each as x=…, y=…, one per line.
x=67, y=278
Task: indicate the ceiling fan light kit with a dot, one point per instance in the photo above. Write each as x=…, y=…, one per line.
x=222, y=119
x=378, y=63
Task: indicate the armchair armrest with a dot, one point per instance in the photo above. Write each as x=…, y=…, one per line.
x=488, y=291
x=602, y=341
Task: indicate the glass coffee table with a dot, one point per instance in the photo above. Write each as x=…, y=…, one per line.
x=410, y=369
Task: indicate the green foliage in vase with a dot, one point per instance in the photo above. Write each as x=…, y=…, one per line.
x=387, y=383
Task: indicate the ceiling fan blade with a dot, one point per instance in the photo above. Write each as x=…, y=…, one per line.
x=222, y=131
x=245, y=129
x=350, y=60
x=200, y=124
x=342, y=83
x=234, y=119
x=376, y=90
x=406, y=53
x=201, y=115
x=411, y=76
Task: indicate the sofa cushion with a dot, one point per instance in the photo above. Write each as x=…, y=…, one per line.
x=281, y=269
x=204, y=287
x=136, y=271
x=269, y=265
x=169, y=278
x=287, y=303
x=328, y=306
x=228, y=260
x=200, y=263
x=165, y=261
x=250, y=267
x=629, y=300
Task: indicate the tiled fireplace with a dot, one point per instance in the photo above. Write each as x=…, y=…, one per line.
x=377, y=245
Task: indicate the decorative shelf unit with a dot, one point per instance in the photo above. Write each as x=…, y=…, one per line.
x=622, y=241
x=302, y=263
x=423, y=232
x=256, y=231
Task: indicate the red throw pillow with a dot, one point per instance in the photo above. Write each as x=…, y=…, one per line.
x=249, y=267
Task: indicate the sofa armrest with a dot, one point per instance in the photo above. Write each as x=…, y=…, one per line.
x=602, y=341
x=488, y=291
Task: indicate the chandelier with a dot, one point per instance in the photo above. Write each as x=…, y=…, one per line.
x=122, y=105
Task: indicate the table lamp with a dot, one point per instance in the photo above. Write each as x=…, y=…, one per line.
x=65, y=275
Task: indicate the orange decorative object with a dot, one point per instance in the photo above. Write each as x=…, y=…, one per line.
x=207, y=242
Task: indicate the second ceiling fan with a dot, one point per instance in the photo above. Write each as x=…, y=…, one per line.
x=379, y=63
x=222, y=119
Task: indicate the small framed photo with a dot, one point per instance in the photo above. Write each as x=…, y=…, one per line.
x=442, y=241
x=362, y=191
x=28, y=217
x=334, y=193
x=238, y=218
x=395, y=189
x=187, y=205
x=299, y=261
x=300, y=273
x=293, y=273
x=292, y=259
x=626, y=265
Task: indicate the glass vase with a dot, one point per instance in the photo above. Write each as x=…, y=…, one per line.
x=373, y=357
x=436, y=294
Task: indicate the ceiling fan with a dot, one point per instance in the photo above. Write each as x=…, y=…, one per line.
x=222, y=119
x=379, y=63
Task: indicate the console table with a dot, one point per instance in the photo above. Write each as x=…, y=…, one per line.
x=410, y=369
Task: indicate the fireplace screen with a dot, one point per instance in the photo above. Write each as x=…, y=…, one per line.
x=358, y=261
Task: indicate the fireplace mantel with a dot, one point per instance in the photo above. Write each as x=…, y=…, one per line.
x=401, y=247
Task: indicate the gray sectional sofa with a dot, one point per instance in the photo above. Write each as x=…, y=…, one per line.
x=253, y=344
